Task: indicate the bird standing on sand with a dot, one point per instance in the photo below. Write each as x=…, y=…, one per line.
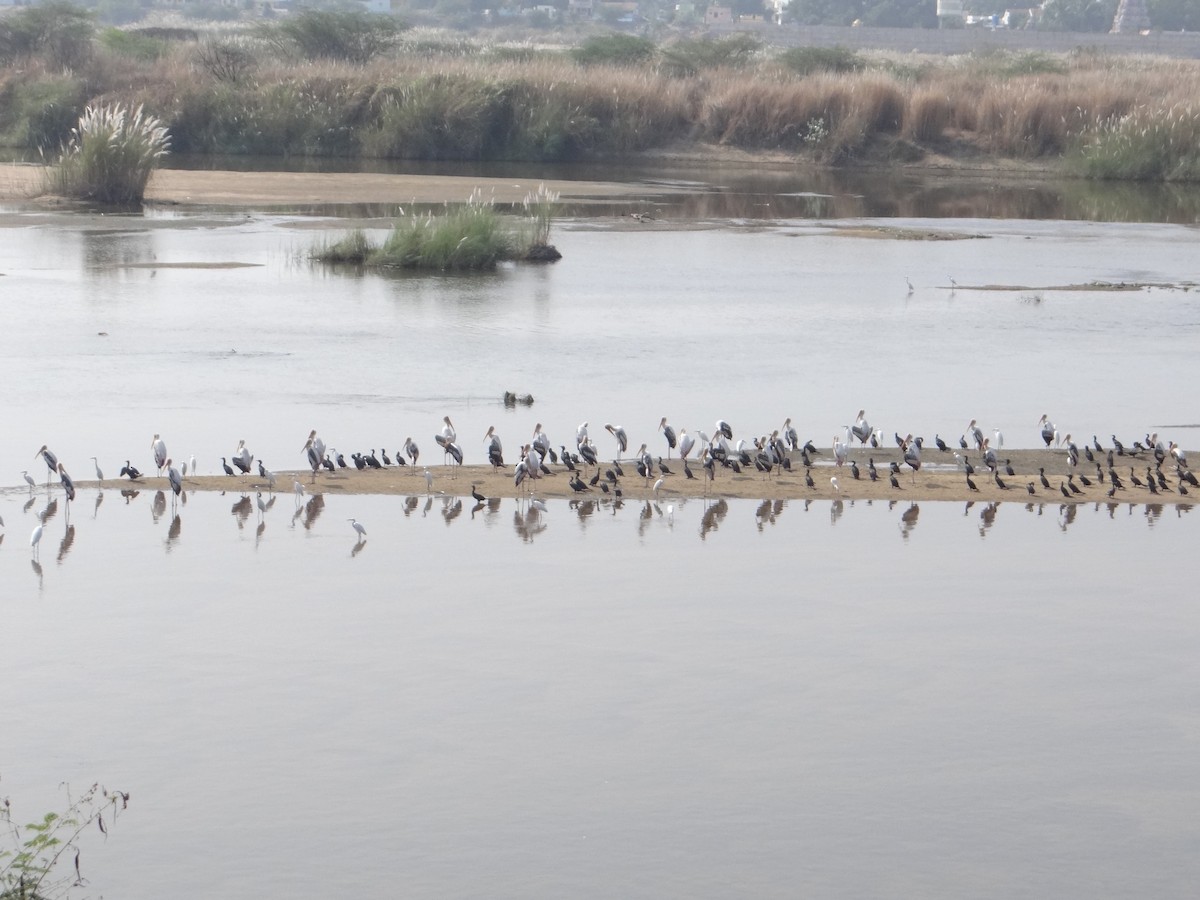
x=159, y=448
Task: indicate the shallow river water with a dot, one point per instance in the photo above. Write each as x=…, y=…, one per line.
x=675, y=699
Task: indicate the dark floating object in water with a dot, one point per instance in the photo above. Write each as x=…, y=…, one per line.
x=542, y=253
x=511, y=399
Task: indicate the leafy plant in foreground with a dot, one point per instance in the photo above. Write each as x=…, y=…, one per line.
x=31, y=855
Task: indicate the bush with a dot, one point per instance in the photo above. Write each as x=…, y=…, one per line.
x=614, y=50
x=39, y=114
x=133, y=45
x=229, y=61
x=1145, y=145
x=59, y=32
x=110, y=156
x=806, y=60
x=471, y=237
x=689, y=57
x=355, y=37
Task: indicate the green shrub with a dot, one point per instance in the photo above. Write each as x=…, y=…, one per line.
x=350, y=36
x=110, y=156
x=133, y=45
x=689, y=57
x=614, y=50
x=1145, y=145
x=59, y=32
x=39, y=115
x=471, y=237
x=806, y=60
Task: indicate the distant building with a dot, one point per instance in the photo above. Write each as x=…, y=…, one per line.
x=718, y=15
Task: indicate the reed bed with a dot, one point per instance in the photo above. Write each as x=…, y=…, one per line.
x=480, y=103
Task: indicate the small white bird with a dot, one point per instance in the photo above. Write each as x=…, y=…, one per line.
x=834, y=482
x=262, y=507
x=36, y=537
x=29, y=479
x=658, y=486
x=428, y=481
x=299, y=489
x=357, y=526
x=183, y=470
x=192, y=465
x=99, y=474
x=909, y=283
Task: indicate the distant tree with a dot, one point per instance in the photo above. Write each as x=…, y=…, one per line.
x=901, y=14
x=824, y=12
x=1079, y=15
x=1174, y=15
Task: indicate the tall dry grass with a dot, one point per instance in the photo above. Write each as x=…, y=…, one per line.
x=546, y=106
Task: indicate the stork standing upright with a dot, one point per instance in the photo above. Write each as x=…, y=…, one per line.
x=242, y=458
x=51, y=462
x=411, y=450
x=159, y=448
x=314, y=449
x=1048, y=430
x=669, y=434
x=622, y=438
x=861, y=428
x=493, y=448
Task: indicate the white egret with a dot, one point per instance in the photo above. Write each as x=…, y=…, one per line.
x=998, y=436
x=298, y=489
x=581, y=433
x=834, y=484
x=658, y=486
x=428, y=482
x=28, y=479
x=35, y=538
x=840, y=451
x=183, y=469
x=262, y=507
x=192, y=465
x=99, y=474
x=362, y=532
x=159, y=448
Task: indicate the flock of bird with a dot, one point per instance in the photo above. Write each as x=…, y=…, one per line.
x=766, y=454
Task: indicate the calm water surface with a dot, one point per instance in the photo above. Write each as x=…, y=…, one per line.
x=722, y=699
x=732, y=699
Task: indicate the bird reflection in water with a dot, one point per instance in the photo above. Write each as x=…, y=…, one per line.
x=29, y=503
x=158, y=506
x=258, y=533
x=987, y=518
x=129, y=495
x=312, y=510
x=836, y=508
x=530, y=523
x=1154, y=512
x=584, y=509
x=173, y=531
x=358, y=546
x=64, y=546
x=37, y=570
x=766, y=514
x=1067, y=517
x=49, y=511
x=410, y=504
x=908, y=520
x=241, y=510
x=713, y=515
x=452, y=508
x=99, y=500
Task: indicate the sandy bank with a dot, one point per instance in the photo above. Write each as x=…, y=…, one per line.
x=938, y=479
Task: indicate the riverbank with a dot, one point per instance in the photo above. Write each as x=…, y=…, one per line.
x=939, y=479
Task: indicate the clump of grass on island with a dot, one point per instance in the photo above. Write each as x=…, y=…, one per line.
x=110, y=156
x=471, y=237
